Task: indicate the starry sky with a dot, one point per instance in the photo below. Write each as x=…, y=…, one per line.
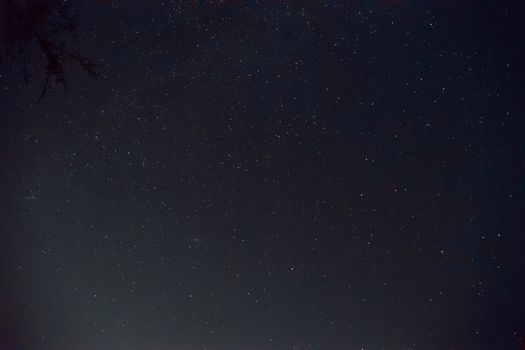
x=262, y=175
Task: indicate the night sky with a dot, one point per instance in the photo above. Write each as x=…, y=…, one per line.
x=262, y=175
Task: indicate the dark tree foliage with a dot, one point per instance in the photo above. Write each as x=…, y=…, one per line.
x=43, y=26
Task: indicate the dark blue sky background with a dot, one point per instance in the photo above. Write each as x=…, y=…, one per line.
x=264, y=175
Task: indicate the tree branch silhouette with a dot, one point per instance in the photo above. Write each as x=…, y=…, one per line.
x=47, y=23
